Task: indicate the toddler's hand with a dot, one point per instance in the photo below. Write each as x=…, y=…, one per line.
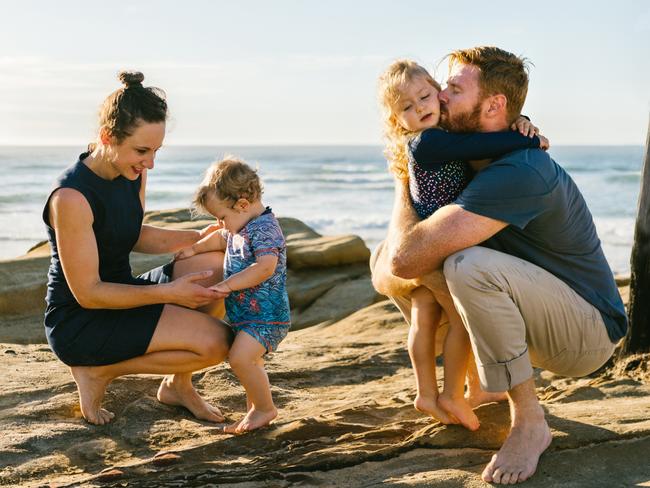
x=222, y=288
x=209, y=230
x=544, y=143
x=188, y=252
x=525, y=127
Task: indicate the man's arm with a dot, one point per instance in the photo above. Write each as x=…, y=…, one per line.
x=418, y=247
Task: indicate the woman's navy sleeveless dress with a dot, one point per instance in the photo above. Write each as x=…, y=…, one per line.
x=91, y=337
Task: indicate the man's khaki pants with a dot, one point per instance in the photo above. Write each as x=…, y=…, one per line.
x=518, y=316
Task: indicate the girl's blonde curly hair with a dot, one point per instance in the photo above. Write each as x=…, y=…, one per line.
x=391, y=84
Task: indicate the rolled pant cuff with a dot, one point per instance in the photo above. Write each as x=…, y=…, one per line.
x=504, y=376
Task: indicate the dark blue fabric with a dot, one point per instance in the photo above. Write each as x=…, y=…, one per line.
x=550, y=226
x=83, y=337
x=437, y=168
x=434, y=147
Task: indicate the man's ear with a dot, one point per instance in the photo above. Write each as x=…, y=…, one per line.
x=497, y=105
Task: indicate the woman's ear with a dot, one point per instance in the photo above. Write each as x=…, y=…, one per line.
x=105, y=137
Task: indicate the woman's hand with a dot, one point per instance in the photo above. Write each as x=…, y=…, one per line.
x=525, y=127
x=187, y=292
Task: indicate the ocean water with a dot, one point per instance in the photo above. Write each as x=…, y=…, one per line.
x=334, y=189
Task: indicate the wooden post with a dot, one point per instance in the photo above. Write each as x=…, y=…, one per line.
x=638, y=337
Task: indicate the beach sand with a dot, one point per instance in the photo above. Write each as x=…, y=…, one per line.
x=343, y=386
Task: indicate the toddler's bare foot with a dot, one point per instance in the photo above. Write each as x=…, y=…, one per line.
x=255, y=419
x=480, y=397
x=183, y=394
x=460, y=409
x=232, y=428
x=430, y=406
x=91, y=386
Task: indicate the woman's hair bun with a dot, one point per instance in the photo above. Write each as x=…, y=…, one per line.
x=131, y=78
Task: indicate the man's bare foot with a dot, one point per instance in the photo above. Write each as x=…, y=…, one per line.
x=480, y=397
x=255, y=419
x=517, y=459
x=182, y=393
x=91, y=386
x=430, y=406
x=460, y=409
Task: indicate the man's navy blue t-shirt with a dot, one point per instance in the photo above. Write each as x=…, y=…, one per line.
x=550, y=226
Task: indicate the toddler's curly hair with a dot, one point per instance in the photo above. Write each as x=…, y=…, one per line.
x=229, y=180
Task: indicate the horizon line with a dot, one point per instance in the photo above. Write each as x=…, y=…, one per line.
x=302, y=144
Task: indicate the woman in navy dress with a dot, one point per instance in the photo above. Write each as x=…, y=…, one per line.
x=101, y=320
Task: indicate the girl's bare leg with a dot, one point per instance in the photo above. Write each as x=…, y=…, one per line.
x=246, y=361
x=475, y=395
x=456, y=354
x=457, y=351
x=425, y=315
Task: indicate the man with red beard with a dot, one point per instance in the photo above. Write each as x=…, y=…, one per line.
x=520, y=255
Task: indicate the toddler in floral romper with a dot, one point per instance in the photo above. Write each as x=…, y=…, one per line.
x=254, y=278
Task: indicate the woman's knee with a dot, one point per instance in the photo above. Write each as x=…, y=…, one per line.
x=216, y=344
x=201, y=262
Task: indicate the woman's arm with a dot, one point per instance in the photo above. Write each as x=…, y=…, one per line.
x=435, y=147
x=72, y=219
x=261, y=270
x=156, y=240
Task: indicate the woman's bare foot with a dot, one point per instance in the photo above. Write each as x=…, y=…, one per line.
x=517, y=459
x=460, y=409
x=430, y=406
x=255, y=419
x=174, y=391
x=91, y=386
x=480, y=397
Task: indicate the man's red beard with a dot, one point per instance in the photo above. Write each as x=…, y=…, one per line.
x=469, y=121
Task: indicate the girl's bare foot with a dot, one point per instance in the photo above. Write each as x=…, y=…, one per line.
x=460, y=409
x=430, y=406
x=480, y=397
x=182, y=393
x=91, y=386
x=255, y=419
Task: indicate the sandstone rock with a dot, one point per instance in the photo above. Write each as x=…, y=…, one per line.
x=344, y=393
x=22, y=285
x=338, y=302
x=306, y=285
x=622, y=280
x=322, y=252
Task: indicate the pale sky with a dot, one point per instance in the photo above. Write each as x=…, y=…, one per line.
x=305, y=72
